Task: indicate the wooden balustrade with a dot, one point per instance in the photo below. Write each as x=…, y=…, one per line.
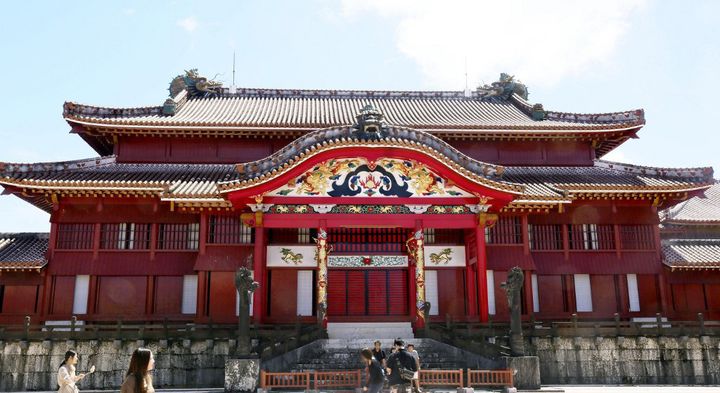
x=441, y=378
x=298, y=380
x=490, y=378
x=337, y=379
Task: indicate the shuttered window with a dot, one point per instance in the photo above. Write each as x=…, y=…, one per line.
x=75, y=236
x=368, y=292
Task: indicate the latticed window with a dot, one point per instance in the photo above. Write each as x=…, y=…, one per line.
x=591, y=237
x=75, y=236
x=545, y=237
x=368, y=239
x=429, y=234
x=303, y=235
x=125, y=236
x=507, y=230
x=178, y=236
x=637, y=237
x=228, y=230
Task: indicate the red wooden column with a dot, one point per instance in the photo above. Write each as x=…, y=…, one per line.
x=202, y=297
x=484, y=219
x=470, y=303
x=259, y=268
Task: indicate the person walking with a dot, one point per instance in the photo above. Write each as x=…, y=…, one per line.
x=416, y=377
x=375, y=372
x=401, y=367
x=379, y=354
x=137, y=378
x=66, y=377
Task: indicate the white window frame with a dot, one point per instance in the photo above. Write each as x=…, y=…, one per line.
x=189, y=294
x=81, y=294
x=535, y=293
x=431, y=291
x=633, y=293
x=583, y=293
x=304, y=293
x=490, y=280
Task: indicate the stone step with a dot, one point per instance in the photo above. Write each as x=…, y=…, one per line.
x=369, y=330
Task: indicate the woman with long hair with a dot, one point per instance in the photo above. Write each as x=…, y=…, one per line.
x=66, y=377
x=137, y=378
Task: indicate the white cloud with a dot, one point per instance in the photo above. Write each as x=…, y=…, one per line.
x=540, y=42
x=616, y=155
x=189, y=24
x=129, y=11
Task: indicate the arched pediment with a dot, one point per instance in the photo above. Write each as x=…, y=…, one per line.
x=386, y=166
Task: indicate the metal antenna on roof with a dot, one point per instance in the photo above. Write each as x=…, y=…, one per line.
x=467, y=91
x=232, y=87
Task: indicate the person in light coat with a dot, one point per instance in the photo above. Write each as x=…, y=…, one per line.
x=66, y=377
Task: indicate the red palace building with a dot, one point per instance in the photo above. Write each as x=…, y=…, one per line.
x=348, y=206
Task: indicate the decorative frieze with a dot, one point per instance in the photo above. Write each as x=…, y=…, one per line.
x=368, y=261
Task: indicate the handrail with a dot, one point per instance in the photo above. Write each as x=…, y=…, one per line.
x=337, y=379
x=270, y=380
x=490, y=378
x=441, y=378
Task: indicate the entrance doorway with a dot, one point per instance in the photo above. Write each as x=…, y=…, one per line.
x=368, y=293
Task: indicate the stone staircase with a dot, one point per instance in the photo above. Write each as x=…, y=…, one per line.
x=369, y=331
x=344, y=354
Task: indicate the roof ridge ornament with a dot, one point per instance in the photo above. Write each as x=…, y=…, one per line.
x=370, y=123
x=196, y=85
x=505, y=87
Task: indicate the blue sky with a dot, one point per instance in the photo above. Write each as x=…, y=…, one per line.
x=574, y=56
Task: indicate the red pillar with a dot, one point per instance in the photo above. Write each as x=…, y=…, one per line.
x=482, y=290
x=259, y=273
x=202, y=297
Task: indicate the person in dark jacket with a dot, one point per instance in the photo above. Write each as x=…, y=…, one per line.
x=396, y=361
x=375, y=372
x=379, y=354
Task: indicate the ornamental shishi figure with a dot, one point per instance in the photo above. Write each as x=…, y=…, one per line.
x=512, y=287
x=290, y=257
x=443, y=257
x=370, y=123
x=245, y=286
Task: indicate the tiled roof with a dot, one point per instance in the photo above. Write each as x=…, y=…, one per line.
x=683, y=254
x=312, y=109
x=199, y=182
x=606, y=176
x=23, y=251
x=703, y=209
